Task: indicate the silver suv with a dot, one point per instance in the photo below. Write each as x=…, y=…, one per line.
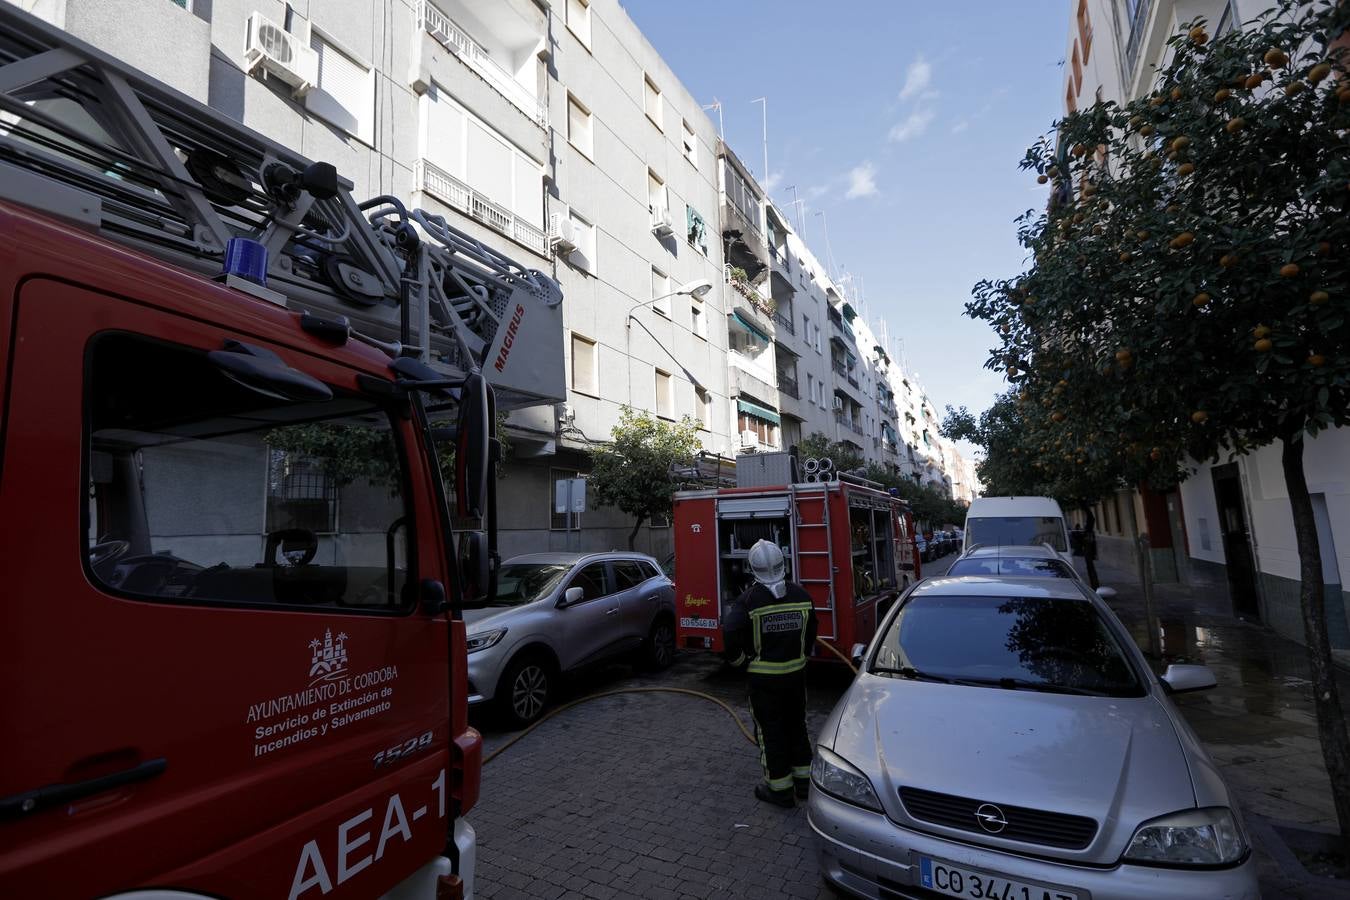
x=556, y=612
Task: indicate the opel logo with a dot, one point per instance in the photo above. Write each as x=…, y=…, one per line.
x=991, y=818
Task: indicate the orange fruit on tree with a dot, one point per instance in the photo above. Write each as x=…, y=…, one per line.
x=1317, y=360
x=1155, y=454
x=1289, y=270
x=1185, y=169
x=1142, y=235
x=1317, y=298
x=1124, y=356
x=1294, y=88
x=1265, y=345
x=1323, y=248
x=1253, y=82
x=1319, y=72
x=1177, y=93
x=1146, y=131
x=1126, y=256
x=1222, y=94
x=1057, y=417
x=1235, y=124
x=1181, y=142
x=1261, y=331
x=1042, y=179
x=1200, y=299
x=1343, y=95
x=1053, y=171
x=1199, y=416
x=1174, y=208
x=1079, y=150
x=1198, y=36
x=1182, y=240
x=1275, y=57
x=1228, y=260
x=1157, y=100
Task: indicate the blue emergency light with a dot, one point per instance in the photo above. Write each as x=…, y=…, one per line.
x=247, y=259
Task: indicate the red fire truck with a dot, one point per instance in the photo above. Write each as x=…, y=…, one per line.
x=847, y=541
x=235, y=657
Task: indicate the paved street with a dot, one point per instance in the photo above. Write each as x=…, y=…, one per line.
x=649, y=795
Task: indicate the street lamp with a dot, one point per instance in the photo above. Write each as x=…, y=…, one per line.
x=698, y=289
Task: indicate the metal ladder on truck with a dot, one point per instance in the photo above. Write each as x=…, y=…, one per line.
x=91, y=141
x=813, y=545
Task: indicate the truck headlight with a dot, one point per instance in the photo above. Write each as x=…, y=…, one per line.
x=485, y=639
x=1194, y=837
x=839, y=778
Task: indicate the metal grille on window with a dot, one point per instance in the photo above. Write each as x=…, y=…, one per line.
x=300, y=494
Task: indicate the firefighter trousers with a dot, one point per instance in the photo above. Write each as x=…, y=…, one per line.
x=778, y=704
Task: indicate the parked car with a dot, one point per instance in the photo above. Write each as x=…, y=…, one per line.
x=1013, y=562
x=556, y=612
x=1006, y=738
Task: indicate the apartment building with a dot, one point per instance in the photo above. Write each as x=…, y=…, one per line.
x=1229, y=523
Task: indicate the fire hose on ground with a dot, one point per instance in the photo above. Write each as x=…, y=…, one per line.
x=746, y=732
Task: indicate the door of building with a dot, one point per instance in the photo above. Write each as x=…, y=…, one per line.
x=1237, y=545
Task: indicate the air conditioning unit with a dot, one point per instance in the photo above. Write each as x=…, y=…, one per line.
x=662, y=226
x=749, y=440
x=281, y=54
x=563, y=234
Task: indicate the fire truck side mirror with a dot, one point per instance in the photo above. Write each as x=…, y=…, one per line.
x=476, y=568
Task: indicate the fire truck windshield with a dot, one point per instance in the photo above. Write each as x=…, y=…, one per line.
x=202, y=491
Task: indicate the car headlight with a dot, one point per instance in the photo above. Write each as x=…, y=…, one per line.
x=1195, y=837
x=837, y=777
x=485, y=639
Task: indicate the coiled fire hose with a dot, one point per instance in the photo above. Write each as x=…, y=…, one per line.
x=749, y=736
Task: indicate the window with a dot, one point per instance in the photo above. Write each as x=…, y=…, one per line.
x=579, y=20
x=765, y=431
x=345, y=93
x=703, y=408
x=1070, y=101
x=665, y=395
x=584, y=256
x=1077, y=71
x=558, y=521
x=583, y=366
x=657, y=203
x=690, y=143
x=239, y=500
x=697, y=230
x=651, y=101
x=1021, y=530
x=579, y=126
x=459, y=145
x=628, y=574
x=660, y=289
x=1084, y=29
x=1225, y=20
x=698, y=319
x=810, y=387
x=592, y=581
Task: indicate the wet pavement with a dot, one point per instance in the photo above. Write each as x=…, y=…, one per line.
x=1258, y=724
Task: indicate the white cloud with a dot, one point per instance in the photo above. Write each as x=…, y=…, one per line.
x=917, y=77
x=960, y=126
x=913, y=125
x=862, y=181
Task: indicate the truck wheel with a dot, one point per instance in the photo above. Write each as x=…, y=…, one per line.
x=525, y=690
x=658, y=651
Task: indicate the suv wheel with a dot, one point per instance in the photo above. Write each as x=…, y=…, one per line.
x=659, y=650
x=525, y=690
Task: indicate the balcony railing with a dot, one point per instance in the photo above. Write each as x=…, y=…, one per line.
x=788, y=385
x=857, y=428
x=446, y=187
x=458, y=42
x=784, y=321
x=840, y=368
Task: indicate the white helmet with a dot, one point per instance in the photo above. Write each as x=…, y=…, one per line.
x=766, y=564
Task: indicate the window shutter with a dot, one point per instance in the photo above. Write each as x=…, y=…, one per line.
x=345, y=94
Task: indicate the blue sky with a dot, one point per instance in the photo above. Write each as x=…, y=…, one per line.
x=904, y=123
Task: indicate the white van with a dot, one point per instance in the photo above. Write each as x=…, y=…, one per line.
x=1004, y=521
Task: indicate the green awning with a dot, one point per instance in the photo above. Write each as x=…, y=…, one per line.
x=759, y=412
x=849, y=312
x=887, y=430
x=750, y=327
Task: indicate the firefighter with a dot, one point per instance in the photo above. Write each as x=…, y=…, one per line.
x=769, y=630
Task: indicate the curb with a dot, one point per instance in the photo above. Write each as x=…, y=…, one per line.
x=1266, y=832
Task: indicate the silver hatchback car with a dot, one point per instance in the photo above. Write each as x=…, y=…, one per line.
x=556, y=612
x=1005, y=738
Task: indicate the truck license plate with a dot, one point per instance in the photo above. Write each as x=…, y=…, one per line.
x=955, y=881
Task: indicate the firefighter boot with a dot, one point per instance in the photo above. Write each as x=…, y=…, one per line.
x=781, y=798
x=803, y=788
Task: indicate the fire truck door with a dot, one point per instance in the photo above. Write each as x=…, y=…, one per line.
x=220, y=661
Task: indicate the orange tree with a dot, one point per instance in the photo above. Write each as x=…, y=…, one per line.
x=1187, y=294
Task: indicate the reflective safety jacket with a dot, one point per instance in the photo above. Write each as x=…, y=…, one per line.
x=774, y=636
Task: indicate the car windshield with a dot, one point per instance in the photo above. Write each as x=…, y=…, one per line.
x=521, y=583
x=1003, y=531
x=1016, y=566
x=1020, y=643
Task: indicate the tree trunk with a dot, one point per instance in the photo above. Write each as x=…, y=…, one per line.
x=1090, y=547
x=632, y=535
x=1331, y=727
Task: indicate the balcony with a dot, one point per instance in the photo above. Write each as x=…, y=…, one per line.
x=457, y=41
x=784, y=321
x=856, y=426
x=449, y=189
x=788, y=385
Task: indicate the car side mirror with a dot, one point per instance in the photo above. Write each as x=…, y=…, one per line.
x=1180, y=679
x=1106, y=593
x=857, y=654
x=573, y=595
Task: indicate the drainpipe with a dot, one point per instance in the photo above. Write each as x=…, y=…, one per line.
x=1145, y=581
